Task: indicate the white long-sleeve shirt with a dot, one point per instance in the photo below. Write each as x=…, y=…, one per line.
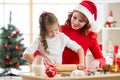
x=55, y=48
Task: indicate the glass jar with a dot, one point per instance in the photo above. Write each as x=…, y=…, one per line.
x=38, y=66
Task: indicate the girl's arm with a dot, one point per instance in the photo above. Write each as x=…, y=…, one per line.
x=81, y=58
x=29, y=57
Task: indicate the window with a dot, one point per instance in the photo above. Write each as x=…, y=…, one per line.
x=25, y=14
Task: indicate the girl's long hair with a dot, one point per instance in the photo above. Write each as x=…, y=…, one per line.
x=45, y=19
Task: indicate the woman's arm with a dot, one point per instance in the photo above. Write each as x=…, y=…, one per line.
x=95, y=50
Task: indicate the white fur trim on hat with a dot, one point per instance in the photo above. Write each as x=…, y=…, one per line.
x=85, y=11
x=95, y=27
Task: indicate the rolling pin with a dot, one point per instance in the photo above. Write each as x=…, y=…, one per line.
x=66, y=67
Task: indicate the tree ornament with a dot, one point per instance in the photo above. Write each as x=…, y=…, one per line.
x=10, y=63
x=17, y=31
x=12, y=35
x=17, y=47
x=7, y=57
x=22, y=38
x=51, y=71
x=18, y=64
x=6, y=46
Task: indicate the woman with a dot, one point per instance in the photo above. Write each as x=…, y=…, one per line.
x=79, y=27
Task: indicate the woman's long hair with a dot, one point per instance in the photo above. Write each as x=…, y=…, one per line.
x=83, y=30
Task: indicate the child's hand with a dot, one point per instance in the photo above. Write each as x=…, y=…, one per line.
x=81, y=66
x=47, y=61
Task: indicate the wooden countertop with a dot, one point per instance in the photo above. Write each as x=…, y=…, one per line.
x=111, y=76
x=10, y=78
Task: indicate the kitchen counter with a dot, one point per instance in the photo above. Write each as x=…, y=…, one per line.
x=110, y=76
x=10, y=78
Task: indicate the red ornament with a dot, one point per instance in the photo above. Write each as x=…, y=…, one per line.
x=6, y=46
x=51, y=71
x=18, y=64
x=115, y=49
x=10, y=63
x=17, y=47
x=7, y=57
x=17, y=31
x=12, y=35
x=22, y=39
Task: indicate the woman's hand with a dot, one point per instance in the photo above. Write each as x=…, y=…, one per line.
x=94, y=65
x=81, y=66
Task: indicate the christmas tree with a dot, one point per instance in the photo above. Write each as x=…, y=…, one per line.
x=11, y=48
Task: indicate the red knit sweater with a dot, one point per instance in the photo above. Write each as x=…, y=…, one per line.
x=86, y=41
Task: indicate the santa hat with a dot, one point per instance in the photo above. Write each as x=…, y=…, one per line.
x=89, y=9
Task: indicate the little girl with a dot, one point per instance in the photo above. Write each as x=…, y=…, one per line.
x=51, y=42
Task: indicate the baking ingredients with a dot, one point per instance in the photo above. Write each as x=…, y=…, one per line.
x=77, y=73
